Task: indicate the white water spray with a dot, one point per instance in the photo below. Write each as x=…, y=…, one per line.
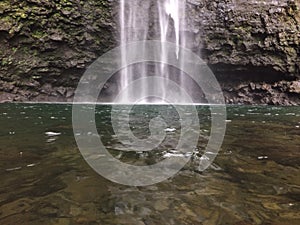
x=165, y=24
x=172, y=8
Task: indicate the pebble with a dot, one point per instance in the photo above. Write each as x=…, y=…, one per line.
x=161, y=205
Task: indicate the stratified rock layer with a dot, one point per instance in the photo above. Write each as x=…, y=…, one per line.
x=252, y=46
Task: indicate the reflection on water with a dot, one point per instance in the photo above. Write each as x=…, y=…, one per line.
x=254, y=179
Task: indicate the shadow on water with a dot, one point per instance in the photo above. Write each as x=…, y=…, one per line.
x=254, y=179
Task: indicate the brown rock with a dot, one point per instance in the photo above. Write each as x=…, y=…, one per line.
x=295, y=87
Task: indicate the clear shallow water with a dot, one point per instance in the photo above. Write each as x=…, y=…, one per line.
x=255, y=178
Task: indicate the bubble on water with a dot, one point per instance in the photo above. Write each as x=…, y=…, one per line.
x=31, y=165
x=13, y=169
x=49, y=140
x=290, y=114
x=262, y=157
x=52, y=133
x=170, y=129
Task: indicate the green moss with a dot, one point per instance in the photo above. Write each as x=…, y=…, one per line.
x=6, y=61
x=6, y=19
x=36, y=77
x=66, y=2
x=21, y=14
x=38, y=34
x=14, y=49
x=4, y=5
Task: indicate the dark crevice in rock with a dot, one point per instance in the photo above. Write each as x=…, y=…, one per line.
x=231, y=73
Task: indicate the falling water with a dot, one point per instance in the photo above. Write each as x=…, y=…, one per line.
x=171, y=7
x=165, y=24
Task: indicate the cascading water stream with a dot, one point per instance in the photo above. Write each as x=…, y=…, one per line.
x=172, y=9
x=137, y=25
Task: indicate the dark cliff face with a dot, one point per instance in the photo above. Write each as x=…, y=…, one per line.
x=47, y=45
x=252, y=46
x=250, y=33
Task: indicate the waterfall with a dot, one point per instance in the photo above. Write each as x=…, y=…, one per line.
x=144, y=20
x=171, y=7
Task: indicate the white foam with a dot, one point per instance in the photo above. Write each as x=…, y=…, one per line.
x=51, y=133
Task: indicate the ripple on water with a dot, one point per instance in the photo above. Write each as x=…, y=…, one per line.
x=51, y=184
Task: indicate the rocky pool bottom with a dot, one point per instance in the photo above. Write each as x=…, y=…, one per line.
x=255, y=178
